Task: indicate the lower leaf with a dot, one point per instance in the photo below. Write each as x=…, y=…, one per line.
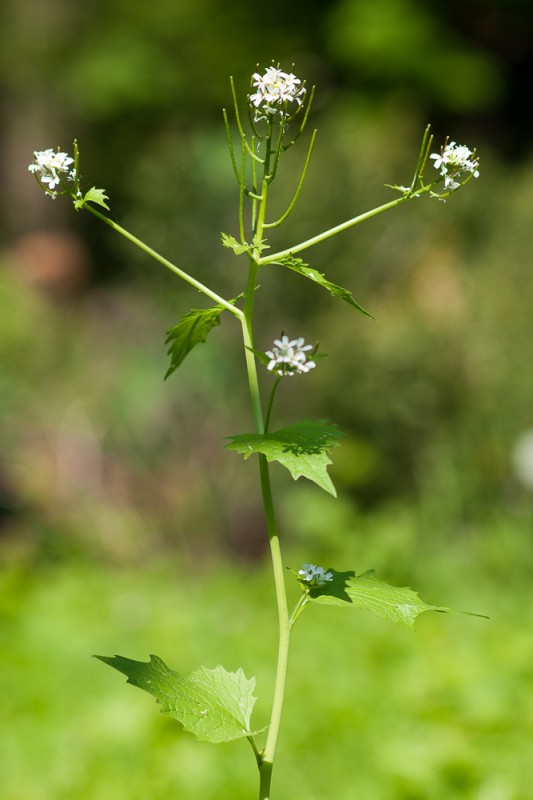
x=214, y=704
x=397, y=604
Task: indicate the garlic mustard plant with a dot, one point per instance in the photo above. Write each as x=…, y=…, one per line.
x=212, y=703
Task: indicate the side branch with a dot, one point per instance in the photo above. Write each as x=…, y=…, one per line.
x=284, y=216
x=337, y=229
x=166, y=263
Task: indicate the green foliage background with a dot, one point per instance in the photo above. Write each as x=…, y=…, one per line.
x=106, y=472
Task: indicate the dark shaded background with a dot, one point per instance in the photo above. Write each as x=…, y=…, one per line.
x=434, y=396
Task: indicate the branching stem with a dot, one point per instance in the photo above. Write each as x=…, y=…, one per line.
x=321, y=237
x=166, y=263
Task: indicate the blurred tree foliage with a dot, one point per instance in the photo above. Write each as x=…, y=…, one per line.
x=435, y=394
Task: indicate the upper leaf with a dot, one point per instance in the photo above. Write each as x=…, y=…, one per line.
x=214, y=704
x=192, y=329
x=398, y=604
x=299, y=266
x=301, y=448
x=97, y=196
x=233, y=244
x=239, y=248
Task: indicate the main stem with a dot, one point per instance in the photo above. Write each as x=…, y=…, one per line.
x=265, y=770
x=267, y=756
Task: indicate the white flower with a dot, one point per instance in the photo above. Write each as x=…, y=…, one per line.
x=48, y=164
x=288, y=356
x=453, y=162
x=314, y=575
x=275, y=90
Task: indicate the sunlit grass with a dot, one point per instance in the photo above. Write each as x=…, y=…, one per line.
x=373, y=710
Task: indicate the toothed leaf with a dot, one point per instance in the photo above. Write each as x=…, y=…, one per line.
x=96, y=196
x=233, y=244
x=394, y=603
x=299, y=266
x=302, y=448
x=192, y=329
x=214, y=704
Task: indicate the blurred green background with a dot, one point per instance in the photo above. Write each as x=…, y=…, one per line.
x=124, y=525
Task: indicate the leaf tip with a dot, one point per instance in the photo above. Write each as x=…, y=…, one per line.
x=105, y=659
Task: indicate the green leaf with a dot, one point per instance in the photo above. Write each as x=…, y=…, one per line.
x=214, y=704
x=233, y=244
x=238, y=248
x=397, y=604
x=299, y=266
x=97, y=196
x=192, y=329
x=301, y=448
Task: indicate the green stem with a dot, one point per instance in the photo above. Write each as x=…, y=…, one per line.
x=248, y=340
x=267, y=756
x=250, y=151
x=271, y=402
x=230, y=146
x=242, y=192
x=257, y=754
x=284, y=216
x=332, y=231
x=284, y=633
x=299, y=607
x=265, y=777
x=265, y=767
x=166, y=263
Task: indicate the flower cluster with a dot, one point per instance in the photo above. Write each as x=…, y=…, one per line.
x=453, y=162
x=288, y=356
x=313, y=575
x=275, y=90
x=48, y=165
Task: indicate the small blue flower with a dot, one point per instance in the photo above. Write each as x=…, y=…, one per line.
x=314, y=575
